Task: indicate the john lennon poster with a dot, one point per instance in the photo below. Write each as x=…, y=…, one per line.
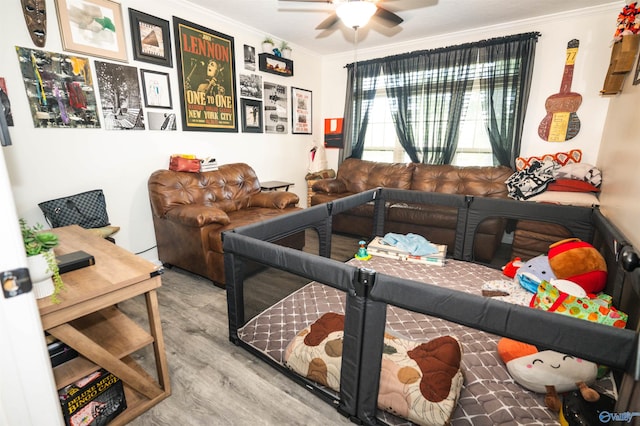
x=206, y=69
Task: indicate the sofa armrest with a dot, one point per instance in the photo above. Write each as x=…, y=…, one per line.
x=330, y=186
x=273, y=199
x=197, y=215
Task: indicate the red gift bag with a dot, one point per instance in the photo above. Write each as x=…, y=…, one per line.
x=179, y=163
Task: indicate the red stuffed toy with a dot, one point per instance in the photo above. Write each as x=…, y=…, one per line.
x=579, y=262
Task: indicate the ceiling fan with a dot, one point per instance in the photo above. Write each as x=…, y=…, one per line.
x=355, y=13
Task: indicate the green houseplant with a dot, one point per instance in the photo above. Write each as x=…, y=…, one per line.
x=43, y=268
x=268, y=44
x=285, y=49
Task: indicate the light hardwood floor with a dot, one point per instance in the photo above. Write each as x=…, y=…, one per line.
x=213, y=381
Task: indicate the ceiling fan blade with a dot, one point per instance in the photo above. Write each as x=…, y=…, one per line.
x=309, y=1
x=391, y=18
x=328, y=23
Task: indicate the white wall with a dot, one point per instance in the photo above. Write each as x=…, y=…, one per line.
x=593, y=27
x=619, y=159
x=47, y=163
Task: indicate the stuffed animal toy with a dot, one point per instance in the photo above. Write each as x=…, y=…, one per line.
x=532, y=272
x=511, y=268
x=535, y=369
x=577, y=261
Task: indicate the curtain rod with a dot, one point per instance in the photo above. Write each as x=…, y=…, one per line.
x=481, y=43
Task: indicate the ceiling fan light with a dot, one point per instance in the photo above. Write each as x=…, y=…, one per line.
x=356, y=13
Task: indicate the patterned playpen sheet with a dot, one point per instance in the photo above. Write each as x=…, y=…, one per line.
x=489, y=395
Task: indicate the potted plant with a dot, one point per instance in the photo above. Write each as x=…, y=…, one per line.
x=285, y=49
x=268, y=45
x=43, y=268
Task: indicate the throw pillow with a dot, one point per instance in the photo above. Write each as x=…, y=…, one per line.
x=572, y=185
x=562, y=158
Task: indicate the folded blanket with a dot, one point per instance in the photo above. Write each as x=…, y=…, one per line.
x=419, y=381
x=414, y=244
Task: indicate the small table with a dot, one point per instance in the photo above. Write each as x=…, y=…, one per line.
x=87, y=319
x=274, y=185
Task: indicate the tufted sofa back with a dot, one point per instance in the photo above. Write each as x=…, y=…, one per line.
x=362, y=175
x=485, y=181
x=227, y=188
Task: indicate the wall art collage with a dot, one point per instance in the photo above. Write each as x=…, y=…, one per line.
x=62, y=93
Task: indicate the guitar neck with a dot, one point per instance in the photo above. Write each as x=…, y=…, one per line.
x=567, y=76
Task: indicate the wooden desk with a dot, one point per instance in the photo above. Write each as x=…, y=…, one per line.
x=274, y=185
x=88, y=320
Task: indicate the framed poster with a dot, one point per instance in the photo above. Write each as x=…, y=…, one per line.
x=156, y=89
x=251, y=115
x=207, y=78
x=59, y=88
x=93, y=27
x=275, y=108
x=301, y=111
x=150, y=37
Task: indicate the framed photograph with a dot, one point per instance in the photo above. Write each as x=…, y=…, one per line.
x=93, y=27
x=251, y=115
x=120, y=96
x=151, y=38
x=275, y=65
x=156, y=89
x=249, y=57
x=301, y=111
x=251, y=86
x=207, y=78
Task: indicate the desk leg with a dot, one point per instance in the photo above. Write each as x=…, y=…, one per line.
x=95, y=353
x=158, y=341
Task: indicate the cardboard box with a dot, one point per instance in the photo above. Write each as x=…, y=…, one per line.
x=93, y=400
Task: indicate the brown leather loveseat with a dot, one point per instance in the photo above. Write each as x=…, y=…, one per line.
x=436, y=223
x=191, y=210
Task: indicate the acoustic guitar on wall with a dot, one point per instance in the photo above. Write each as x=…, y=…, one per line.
x=561, y=122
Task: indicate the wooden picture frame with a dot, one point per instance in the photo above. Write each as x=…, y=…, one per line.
x=207, y=77
x=156, y=89
x=151, y=38
x=102, y=37
x=251, y=115
x=301, y=111
x=275, y=65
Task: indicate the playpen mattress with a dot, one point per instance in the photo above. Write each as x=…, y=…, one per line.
x=489, y=396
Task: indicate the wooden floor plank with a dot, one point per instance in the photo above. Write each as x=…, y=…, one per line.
x=214, y=382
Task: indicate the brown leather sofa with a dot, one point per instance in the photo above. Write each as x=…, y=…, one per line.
x=191, y=210
x=436, y=223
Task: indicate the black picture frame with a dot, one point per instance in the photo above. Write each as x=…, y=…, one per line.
x=156, y=89
x=251, y=116
x=301, y=111
x=275, y=65
x=151, y=38
x=207, y=102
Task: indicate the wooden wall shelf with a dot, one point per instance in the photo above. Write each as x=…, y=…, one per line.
x=275, y=64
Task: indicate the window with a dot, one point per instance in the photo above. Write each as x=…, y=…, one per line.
x=381, y=141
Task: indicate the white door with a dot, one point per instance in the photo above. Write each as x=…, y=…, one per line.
x=28, y=394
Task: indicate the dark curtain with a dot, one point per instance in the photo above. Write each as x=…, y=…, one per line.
x=436, y=82
x=361, y=90
x=505, y=82
x=426, y=94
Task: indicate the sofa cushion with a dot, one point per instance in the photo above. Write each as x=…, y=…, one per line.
x=486, y=181
x=362, y=175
